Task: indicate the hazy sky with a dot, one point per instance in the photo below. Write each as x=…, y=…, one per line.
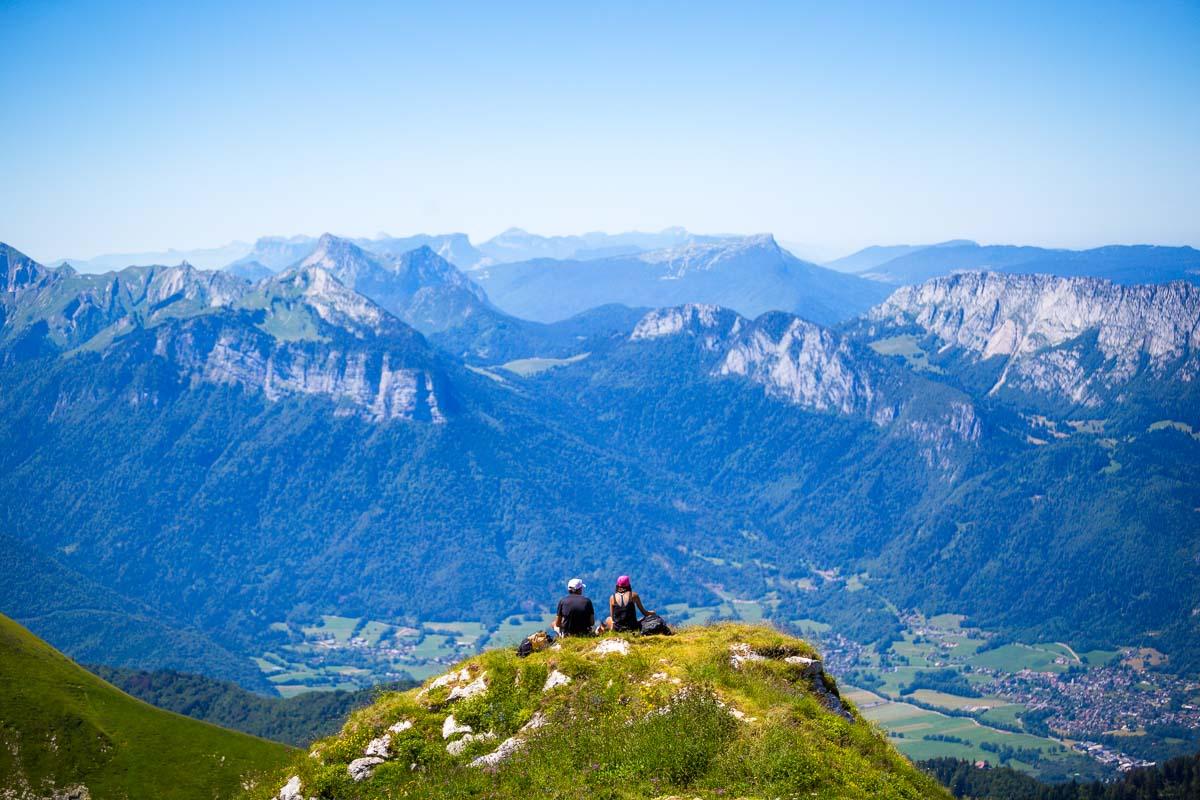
x=128, y=128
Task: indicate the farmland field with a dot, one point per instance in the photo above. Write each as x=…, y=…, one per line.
x=908, y=727
x=1016, y=657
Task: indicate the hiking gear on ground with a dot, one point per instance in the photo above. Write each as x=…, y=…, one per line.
x=623, y=582
x=533, y=643
x=577, y=615
x=575, y=585
x=654, y=625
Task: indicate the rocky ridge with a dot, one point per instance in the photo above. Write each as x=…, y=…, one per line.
x=813, y=367
x=298, y=333
x=1045, y=329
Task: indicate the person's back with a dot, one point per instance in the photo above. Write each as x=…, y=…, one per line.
x=623, y=606
x=624, y=611
x=576, y=616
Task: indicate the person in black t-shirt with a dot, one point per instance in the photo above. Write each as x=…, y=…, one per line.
x=576, y=617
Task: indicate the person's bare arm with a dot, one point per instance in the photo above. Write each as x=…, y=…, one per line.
x=637, y=598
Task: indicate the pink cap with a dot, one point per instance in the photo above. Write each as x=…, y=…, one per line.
x=623, y=581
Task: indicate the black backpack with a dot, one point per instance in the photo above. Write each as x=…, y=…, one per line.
x=654, y=625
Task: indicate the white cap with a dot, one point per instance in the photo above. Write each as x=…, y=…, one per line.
x=575, y=585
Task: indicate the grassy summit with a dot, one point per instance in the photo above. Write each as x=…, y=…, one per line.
x=64, y=730
x=724, y=711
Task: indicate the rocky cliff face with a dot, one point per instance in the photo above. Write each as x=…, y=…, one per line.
x=19, y=272
x=815, y=368
x=379, y=383
x=1049, y=331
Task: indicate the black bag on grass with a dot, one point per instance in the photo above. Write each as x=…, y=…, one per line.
x=532, y=644
x=654, y=625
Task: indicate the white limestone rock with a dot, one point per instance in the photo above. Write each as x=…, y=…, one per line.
x=810, y=666
x=451, y=727
x=290, y=790
x=380, y=747
x=477, y=686
x=502, y=753
x=610, y=647
x=554, y=680
x=536, y=721
x=361, y=768
x=457, y=747
x=741, y=654
x=462, y=676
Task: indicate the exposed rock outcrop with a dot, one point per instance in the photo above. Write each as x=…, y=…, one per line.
x=1074, y=338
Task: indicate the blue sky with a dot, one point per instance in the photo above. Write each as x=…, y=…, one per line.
x=129, y=127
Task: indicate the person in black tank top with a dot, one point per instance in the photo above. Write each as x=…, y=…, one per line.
x=623, y=607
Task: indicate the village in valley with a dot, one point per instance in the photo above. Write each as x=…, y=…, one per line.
x=949, y=689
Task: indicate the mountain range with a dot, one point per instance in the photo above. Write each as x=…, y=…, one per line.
x=750, y=275
x=330, y=440
x=1125, y=264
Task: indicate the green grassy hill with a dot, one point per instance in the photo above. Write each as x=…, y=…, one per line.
x=722, y=711
x=295, y=720
x=62, y=728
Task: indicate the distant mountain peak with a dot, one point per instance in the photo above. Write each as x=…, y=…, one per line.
x=698, y=256
x=693, y=318
x=18, y=271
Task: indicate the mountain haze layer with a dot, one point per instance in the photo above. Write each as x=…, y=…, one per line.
x=750, y=275
x=1126, y=264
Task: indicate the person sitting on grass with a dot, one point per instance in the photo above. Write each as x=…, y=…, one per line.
x=576, y=616
x=623, y=607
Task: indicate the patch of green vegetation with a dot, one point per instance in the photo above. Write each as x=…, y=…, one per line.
x=295, y=721
x=525, y=367
x=1170, y=424
x=1099, y=658
x=374, y=630
x=334, y=627
x=950, y=622
x=906, y=346
x=1006, y=715
x=434, y=645
x=921, y=733
x=290, y=325
x=655, y=722
x=812, y=626
x=467, y=633
x=1016, y=657
x=64, y=727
